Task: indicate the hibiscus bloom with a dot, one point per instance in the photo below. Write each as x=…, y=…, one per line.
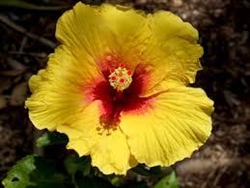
x=118, y=86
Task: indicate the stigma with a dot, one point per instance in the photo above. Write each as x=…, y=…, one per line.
x=120, y=78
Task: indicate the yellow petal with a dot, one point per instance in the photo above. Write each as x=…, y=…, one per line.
x=60, y=91
x=95, y=31
x=131, y=37
x=83, y=30
x=167, y=25
x=178, y=123
x=110, y=153
x=173, y=52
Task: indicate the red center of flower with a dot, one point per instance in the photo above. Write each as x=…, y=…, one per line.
x=119, y=93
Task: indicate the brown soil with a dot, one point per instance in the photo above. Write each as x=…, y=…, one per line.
x=27, y=37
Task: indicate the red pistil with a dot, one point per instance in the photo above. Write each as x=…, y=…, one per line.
x=122, y=65
x=129, y=72
x=122, y=80
x=112, y=70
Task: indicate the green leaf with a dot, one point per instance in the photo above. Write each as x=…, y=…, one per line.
x=51, y=138
x=18, y=176
x=34, y=172
x=154, y=171
x=74, y=163
x=169, y=181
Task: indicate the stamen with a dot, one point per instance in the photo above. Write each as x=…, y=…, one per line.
x=108, y=123
x=120, y=78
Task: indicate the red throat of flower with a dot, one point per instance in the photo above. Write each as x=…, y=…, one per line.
x=119, y=93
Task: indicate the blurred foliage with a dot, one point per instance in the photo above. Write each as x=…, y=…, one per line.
x=51, y=138
x=34, y=172
x=154, y=171
x=75, y=172
x=170, y=181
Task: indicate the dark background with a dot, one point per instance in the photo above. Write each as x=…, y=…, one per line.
x=27, y=37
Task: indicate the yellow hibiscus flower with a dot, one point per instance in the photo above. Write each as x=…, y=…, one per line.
x=118, y=86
